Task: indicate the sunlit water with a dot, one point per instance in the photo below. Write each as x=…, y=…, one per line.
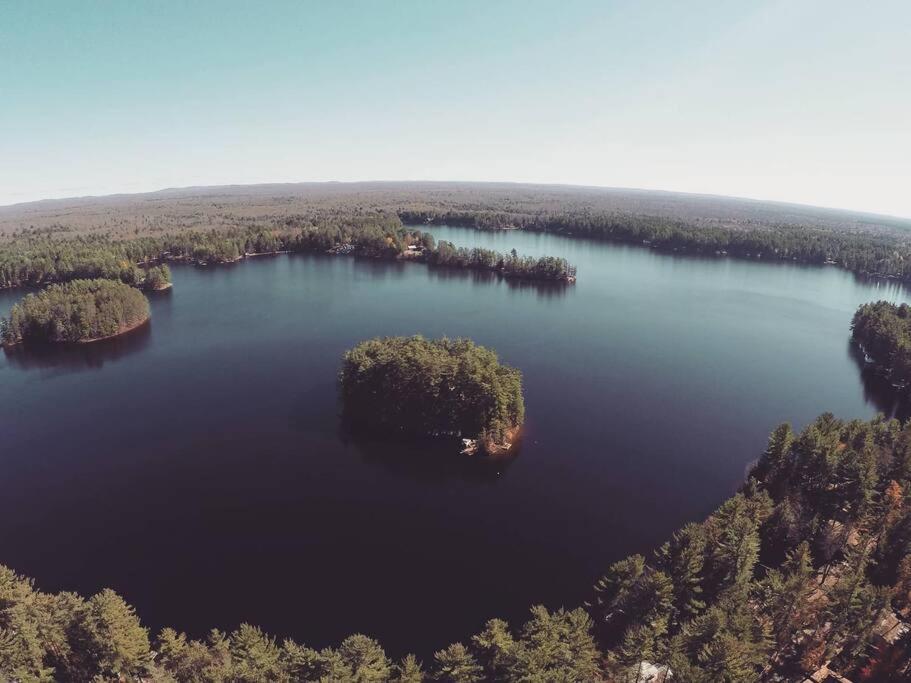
x=196, y=466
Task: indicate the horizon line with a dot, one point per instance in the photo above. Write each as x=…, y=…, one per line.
x=706, y=195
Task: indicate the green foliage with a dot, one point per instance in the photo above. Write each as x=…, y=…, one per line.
x=108, y=639
x=255, y=656
x=75, y=311
x=412, y=385
x=409, y=670
x=726, y=643
x=36, y=259
x=631, y=593
x=556, y=646
x=683, y=559
x=883, y=330
x=157, y=277
x=510, y=265
x=365, y=658
x=495, y=649
x=868, y=253
x=455, y=664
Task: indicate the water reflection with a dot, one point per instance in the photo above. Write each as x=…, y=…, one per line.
x=885, y=289
x=379, y=269
x=453, y=273
x=878, y=390
x=64, y=358
x=428, y=460
x=544, y=289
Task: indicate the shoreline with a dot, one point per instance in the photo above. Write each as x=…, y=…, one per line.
x=123, y=330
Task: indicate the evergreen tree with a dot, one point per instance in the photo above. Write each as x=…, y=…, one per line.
x=556, y=646
x=494, y=648
x=109, y=639
x=365, y=658
x=299, y=662
x=409, y=670
x=254, y=655
x=631, y=593
x=683, y=559
x=785, y=595
x=455, y=664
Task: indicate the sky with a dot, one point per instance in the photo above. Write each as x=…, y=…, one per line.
x=805, y=101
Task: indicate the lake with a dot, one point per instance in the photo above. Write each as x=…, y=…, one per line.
x=196, y=466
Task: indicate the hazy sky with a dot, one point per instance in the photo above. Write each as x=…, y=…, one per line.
x=797, y=100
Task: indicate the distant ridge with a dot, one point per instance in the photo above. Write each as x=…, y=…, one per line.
x=276, y=199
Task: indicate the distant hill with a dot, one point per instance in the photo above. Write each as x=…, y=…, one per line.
x=230, y=205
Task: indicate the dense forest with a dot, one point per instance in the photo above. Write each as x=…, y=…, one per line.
x=443, y=387
x=883, y=331
x=104, y=237
x=862, y=243
x=75, y=311
x=807, y=566
x=33, y=260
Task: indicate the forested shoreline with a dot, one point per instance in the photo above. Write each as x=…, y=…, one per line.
x=867, y=254
x=35, y=260
x=883, y=332
x=384, y=223
x=808, y=565
x=31, y=258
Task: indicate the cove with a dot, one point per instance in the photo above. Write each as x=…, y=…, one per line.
x=196, y=465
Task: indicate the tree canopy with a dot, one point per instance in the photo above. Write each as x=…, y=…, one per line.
x=883, y=331
x=34, y=259
x=80, y=310
x=417, y=386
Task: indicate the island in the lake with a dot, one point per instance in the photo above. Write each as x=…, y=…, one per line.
x=413, y=386
x=75, y=311
x=883, y=332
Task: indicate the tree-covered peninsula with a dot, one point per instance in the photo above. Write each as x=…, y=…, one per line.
x=38, y=259
x=883, y=332
x=76, y=311
x=422, y=387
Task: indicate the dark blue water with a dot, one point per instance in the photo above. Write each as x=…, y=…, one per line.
x=196, y=466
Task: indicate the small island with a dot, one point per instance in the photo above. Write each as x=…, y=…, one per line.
x=76, y=311
x=511, y=265
x=450, y=388
x=882, y=330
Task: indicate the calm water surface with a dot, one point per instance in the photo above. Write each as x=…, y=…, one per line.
x=197, y=467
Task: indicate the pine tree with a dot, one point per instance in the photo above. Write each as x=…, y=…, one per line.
x=785, y=595
x=254, y=655
x=109, y=638
x=683, y=559
x=365, y=658
x=736, y=554
x=409, y=670
x=639, y=645
x=455, y=664
x=631, y=593
x=494, y=648
x=300, y=662
x=556, y=646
